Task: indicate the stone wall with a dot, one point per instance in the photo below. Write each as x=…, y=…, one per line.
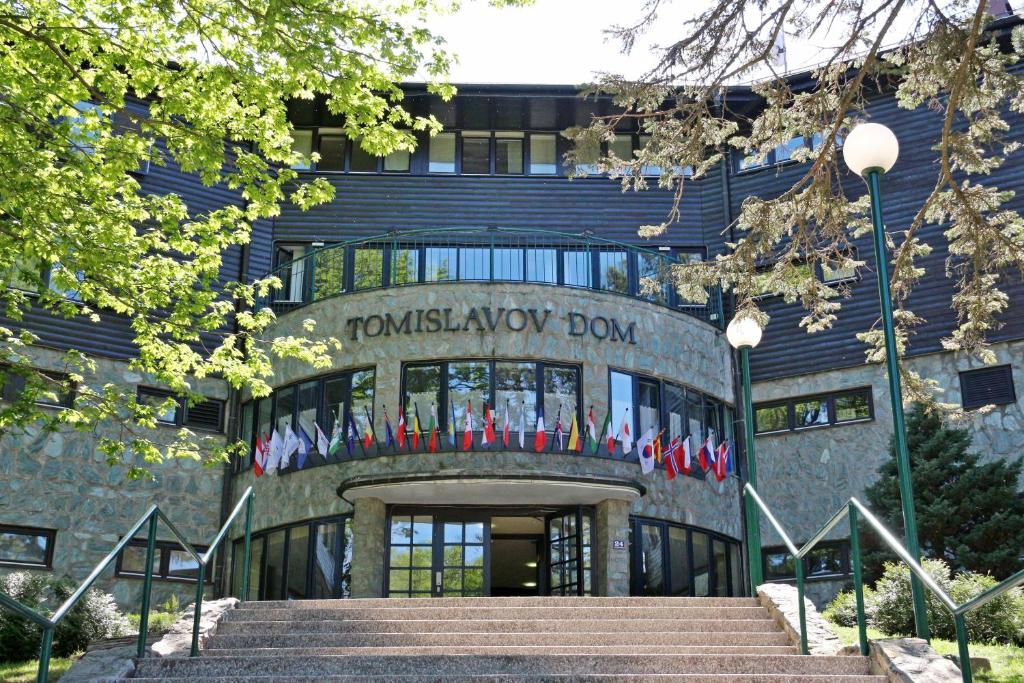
x=61, y=481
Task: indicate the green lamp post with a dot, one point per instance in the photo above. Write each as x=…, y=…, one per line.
x=870, y=150
x=744, y=334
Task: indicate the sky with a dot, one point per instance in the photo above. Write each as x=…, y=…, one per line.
x=561, y=41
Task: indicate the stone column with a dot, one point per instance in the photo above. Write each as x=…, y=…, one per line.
x=611, y=525
x=369, y=522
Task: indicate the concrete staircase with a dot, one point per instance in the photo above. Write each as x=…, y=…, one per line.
x=634, y=640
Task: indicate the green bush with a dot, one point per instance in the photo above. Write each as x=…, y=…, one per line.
x=892, y=608
x=94, y=617
x=842, y=611
x=1000, y=620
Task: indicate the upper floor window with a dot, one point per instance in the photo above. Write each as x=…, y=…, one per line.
x=55, y=391
x=26, y=546
x=486, y=152
x=840, y=407
x=783, y=153
x=173, y=410
x=340, y=154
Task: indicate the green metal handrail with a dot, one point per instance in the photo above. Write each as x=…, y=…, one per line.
x=854, y=510
x=327, y=271
x=151, y=517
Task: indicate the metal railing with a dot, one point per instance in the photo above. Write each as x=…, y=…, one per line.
x=492, y=254
x=151, y=517
x=854, y=510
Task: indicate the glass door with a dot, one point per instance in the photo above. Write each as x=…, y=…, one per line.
x=439, y=556
x=568, y=552
x=461, y=557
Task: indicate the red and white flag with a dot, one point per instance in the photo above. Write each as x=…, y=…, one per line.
x=259, y=457
x=506, y=428
x=625, y=438
x=540, y=439
x=400, y=436
x=467, y=436
x=489, y=436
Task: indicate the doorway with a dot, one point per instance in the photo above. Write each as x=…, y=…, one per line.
x=469, y=552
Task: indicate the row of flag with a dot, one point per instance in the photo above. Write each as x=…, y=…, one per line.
x=274, y=452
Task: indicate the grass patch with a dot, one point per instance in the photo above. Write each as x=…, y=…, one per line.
x=159, y=622
x=25, y=672
x=1007, y=660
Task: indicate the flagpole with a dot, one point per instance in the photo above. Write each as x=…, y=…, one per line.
x=604, y=429
x=355, y=432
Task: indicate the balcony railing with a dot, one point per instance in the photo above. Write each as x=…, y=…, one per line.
x=399, y=259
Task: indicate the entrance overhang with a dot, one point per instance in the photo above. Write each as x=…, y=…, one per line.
x=477, y=488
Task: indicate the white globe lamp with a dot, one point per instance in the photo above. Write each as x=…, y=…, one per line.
x=870, y=146
x=743, y=332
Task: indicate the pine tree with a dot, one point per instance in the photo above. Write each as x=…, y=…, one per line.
x=968, y=511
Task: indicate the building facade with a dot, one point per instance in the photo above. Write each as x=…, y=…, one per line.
x=490, y=309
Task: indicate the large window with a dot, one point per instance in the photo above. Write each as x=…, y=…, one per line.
x=307, y=561
x=329, y=403
x=339, y=154
x=171, y=562
x=828, y=560
x=781, y=154
x=509, y=387
x=841, y=407
x=672, y=559
x=651, y=406
x=26, y=546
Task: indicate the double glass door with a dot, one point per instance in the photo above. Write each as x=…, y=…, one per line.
x=438, y=556
x=448, y=554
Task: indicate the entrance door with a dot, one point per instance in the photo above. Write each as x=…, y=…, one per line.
x=439, y=555
x=462, y=556
x=568, y=552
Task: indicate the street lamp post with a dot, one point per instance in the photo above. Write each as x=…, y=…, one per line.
x=744, y=334
x=870, y=150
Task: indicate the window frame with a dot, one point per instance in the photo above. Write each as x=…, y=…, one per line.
x=771, y=159
x=181, y=417
x=829, y=398
x=346, y=154
x=161, y=562
x=636, y=564
x=41, y=532
x=843, y=545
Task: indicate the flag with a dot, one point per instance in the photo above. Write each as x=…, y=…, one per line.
x=401, y=428
x=433, y=429
x=645, y=449
x=687, y=464
x=369, y=438
x=488, y=436
x=467, y=434
x=336, y=435
x=657, y=446
x=522, y=426
x=259, y=458
x=276, y=446
x=705, y=456
x=451, y=427
x=540, y=439
x=672, y=459
x=558, y=428
x=575, y=442
x=624, y=436
x=606, y=429
x=353, y=436
x=322, y=443
x=416, y=427
x=305, y=446
x=591, y=431
x=291, y=446
x=506, y=428
x=721, y=461
x=730, y=461
x=389, y=434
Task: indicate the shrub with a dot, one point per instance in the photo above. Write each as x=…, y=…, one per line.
x=94, y=617
x=1000, y=620
x=892, y=607
x=842, y=611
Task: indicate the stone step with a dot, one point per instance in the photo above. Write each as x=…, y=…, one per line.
x=579, y=625
x=485, y=611
x=503, y=678
x=560, y=649
x=499, y=665
x=544, y=601
x=430, y=638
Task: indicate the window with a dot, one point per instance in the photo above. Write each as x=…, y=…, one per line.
x=307, y=561
x=442, y=153
x=613, y=270
x=476, y=152
x=411, y=558
x=512, y=386
x=291, y=271
x=25, y=273
x=652, y=278
x=207, y=414
x=398, y=161
x=764, y=287
x=852, y=405
x=828, y=560
x=66, y=283
x=541, y=265
x=302, y=143
x=648, y=169
x=170, y=561
x=543, y=154
x=673, y=559
x=576, y=268
x=405, y=266
x=361, y=161
x=52, y=389
x=508, y=153
x=834, y=271
x=784, y=152
x=369, y=268
x=332, y=150
x=987, y=386
x=26, y=547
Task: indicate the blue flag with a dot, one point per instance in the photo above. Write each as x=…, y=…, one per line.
x=389, y=436
x=305, y=446
x=350, y=442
